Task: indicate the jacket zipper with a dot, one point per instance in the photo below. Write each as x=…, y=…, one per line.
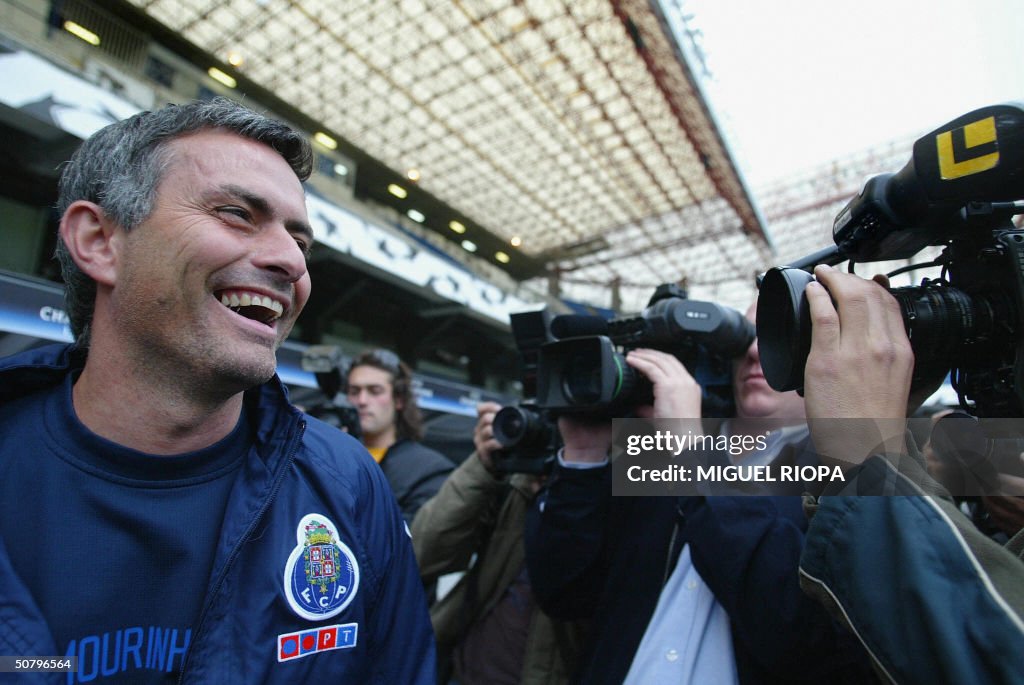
x=245, y=537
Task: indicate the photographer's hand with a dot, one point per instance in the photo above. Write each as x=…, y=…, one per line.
x=858, y=370
x=483, y=434
x=676, y=394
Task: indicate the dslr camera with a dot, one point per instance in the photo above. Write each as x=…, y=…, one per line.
x=960, y=191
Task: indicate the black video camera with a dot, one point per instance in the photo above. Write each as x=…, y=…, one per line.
x=576, y=364
x=325, y=362
x=529, y=439
x=959, y=190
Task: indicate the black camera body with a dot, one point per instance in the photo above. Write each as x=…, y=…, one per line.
x=579, y=365
x=958, y=191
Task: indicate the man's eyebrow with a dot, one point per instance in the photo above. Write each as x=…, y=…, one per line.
x=260, y=205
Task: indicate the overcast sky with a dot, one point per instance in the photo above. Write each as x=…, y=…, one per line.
x=797, y=83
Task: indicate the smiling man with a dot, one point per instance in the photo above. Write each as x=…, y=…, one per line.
x=165, y=514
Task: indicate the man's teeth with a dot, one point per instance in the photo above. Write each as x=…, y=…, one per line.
x=234, y=300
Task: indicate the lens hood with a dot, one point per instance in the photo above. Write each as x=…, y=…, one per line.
x=784, y=327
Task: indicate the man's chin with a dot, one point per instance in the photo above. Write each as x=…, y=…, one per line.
x=757, y=406
x=243, y=376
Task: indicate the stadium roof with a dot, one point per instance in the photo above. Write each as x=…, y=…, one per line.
x=574, y=133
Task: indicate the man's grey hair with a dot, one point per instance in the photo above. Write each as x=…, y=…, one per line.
x=120, y=166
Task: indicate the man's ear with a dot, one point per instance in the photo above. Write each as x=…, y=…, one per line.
x=92, y=240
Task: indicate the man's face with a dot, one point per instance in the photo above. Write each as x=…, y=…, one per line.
x=210, y=284
x=754, y=397
x=371, y=392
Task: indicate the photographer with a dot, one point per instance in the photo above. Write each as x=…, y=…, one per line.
x=680, y=589
x=932, y=598
x=488, y=627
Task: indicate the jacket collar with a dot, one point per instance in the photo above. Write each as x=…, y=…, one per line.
x=273, y=416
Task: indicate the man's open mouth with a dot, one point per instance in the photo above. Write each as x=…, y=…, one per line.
x=252, y=305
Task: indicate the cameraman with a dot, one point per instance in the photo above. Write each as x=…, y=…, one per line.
x=932, y=598
x=680, y=589
x=488, y=627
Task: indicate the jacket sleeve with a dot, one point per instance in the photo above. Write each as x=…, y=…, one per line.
x=565, y=541
x=932, y=598
x=23, y=630
x=399, y=626
x=747, y=549
x=448, y=528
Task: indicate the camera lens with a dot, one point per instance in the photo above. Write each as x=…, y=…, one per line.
x=581, y=382
x=784, y=327
x=510, y=425
x=941, y=321
x=521, y=427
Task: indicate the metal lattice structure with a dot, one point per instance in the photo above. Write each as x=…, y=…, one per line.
x=574, y=130
x=800, y=213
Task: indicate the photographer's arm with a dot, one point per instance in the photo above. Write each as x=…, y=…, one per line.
x=931, y=598
x=567, y=526
x=571, y=538
x=448, y=528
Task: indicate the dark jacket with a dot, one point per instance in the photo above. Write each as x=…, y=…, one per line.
x=933, y=598
x=298, y=466
x=415, y=473
x=591, y=555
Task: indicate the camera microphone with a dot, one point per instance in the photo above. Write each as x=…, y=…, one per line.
x=577, y=325
x=976, y=157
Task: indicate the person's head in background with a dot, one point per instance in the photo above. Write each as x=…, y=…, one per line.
x=755, y=399
x=379, y=386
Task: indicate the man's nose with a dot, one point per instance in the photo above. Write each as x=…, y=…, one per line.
x=279, y=252
x=752, y=352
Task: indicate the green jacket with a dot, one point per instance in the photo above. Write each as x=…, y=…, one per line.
x=476, y=513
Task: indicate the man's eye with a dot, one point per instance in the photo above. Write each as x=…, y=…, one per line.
x=240, y=212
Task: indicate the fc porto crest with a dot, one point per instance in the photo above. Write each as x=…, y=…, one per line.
x=322, y=576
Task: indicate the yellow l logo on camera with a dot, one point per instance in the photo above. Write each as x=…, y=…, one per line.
x=968, y=150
